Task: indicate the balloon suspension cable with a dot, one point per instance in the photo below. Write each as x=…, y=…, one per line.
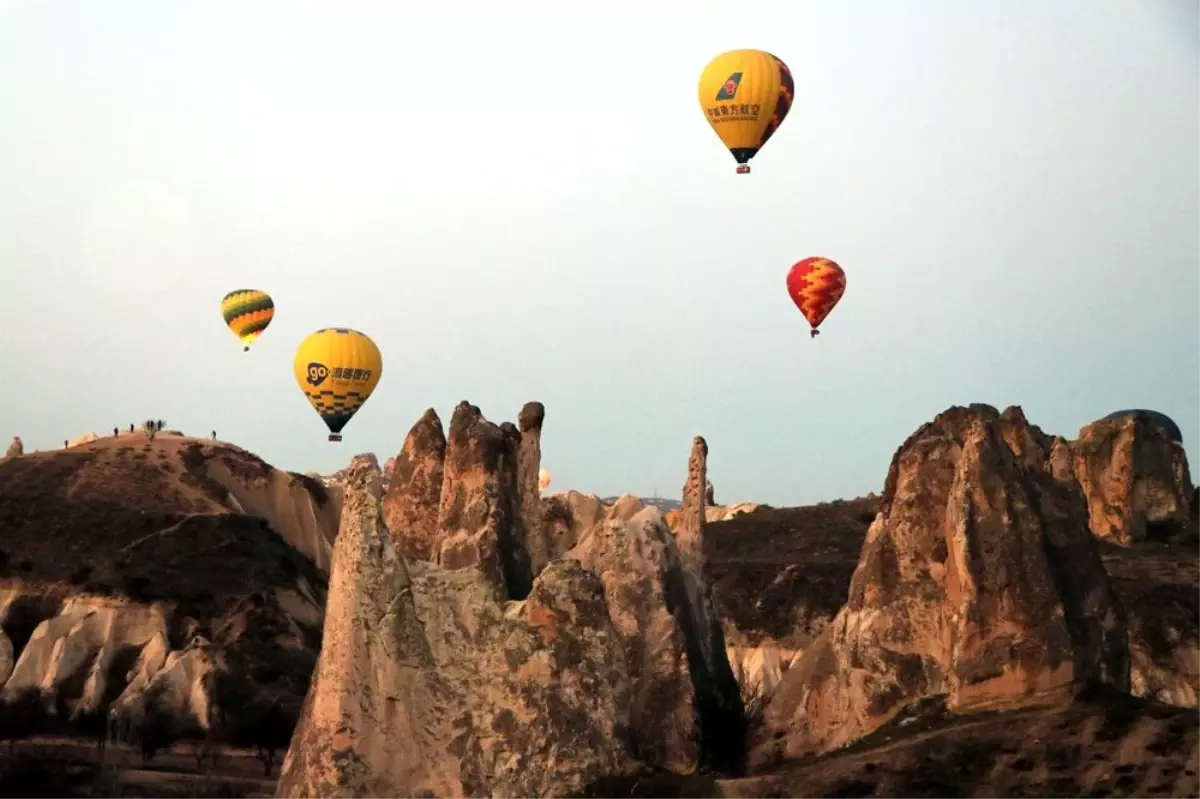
x=334, y=437
x=814, y=333
x=743, y=169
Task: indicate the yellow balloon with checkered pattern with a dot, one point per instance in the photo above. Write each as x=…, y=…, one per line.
x=337, y=369
x=745, y=95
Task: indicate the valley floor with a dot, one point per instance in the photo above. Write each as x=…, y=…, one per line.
x=58, y=766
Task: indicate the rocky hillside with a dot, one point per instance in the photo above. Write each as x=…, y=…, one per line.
x=476, y=637
x=180, y=569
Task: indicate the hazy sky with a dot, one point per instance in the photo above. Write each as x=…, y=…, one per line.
x=519, y=202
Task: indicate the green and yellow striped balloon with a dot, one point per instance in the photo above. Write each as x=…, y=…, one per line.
x=247, y=312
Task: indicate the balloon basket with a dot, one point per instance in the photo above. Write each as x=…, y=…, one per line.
x=334, y=437
x=245, y=349
x=814, y=333
x=743, y=169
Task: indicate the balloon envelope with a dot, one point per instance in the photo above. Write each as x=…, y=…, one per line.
x=1156, y=417
x=816, y=285
x=337, y=369
x=746, y=95
x=247, y=312
x=544, y=479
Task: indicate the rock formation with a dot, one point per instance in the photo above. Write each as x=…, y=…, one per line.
x=614, y=657
x=296, y=507
x=529, y=466
x=410, y=507
x=567, y=517
x=84, y=655
x=686, y=704
x=1134, y=476
x=6, y=657
x=718, y=695
x=978, y=580
x=337, y=480
x=171, y=568
x=478, y=516
x=427, y=685
x=15, y=449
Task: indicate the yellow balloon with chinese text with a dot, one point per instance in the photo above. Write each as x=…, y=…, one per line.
x=337, y=369
x=745, y=95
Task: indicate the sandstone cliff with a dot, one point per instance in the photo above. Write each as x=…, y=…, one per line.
x=398, y=707
x=410, y=506
x=1135, y=478
x=978, y=580
x=614, y=658
x=472, y=498
x=479, y=516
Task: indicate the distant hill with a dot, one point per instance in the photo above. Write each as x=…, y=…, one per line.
x=662, y=504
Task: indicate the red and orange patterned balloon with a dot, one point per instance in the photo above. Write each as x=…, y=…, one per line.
x=816, y=285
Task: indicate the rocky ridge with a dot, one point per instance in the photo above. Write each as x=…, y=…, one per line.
x=606, y=659
x=973, y=583
x=177, y=568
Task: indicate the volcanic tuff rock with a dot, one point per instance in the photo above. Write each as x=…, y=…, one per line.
x=478, y=519
x=529, y=465
x=567, y=516
x=130, y=565
x=615, y=655
x=1134, y=476
x=717, y=691
x=686, y=704
x=782, y=574
x=978, y=580
x=337, y=480
x=429, y=685
x=410, y=507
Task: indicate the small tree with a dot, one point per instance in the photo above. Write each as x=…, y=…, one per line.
x=92, y=725
x=22, y=716
x=208, y=750
x=156, y=732
x=267, y=729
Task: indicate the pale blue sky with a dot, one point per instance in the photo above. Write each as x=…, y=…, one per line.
x=529, y=204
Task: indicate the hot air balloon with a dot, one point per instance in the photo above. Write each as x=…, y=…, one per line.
x=544, y=479
x=337, y=369
x=247, y=312
x=1154, y=417
x=746, y=94
x=816, y=285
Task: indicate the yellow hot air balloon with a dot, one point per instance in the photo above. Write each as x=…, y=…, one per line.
x=337, y=369
x=247, y=312
x=745, y=95
x=544, y=478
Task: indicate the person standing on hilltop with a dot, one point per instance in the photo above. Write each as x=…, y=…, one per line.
x=116, y=432
x=131, y=427
x=214, y=435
